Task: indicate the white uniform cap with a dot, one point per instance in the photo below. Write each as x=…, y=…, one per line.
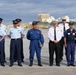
x=63, y=18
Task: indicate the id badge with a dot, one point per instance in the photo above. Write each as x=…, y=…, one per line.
x=73, y=33
x=68, y=33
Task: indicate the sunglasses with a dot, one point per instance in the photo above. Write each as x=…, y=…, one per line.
x=63, y=20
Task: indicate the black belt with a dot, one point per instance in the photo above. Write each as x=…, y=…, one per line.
x=16, y=39
x=53, y=42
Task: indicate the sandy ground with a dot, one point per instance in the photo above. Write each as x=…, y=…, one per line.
x=35, y=70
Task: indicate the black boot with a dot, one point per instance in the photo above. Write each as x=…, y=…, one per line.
x=2, y=64
x=39, y=63
x=19, y=64
x=31, y=62
x=11, y=64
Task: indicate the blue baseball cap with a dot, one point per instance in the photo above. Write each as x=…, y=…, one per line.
x=15, y=22
x=71, y=23
x=18, y=20
x=34, y=23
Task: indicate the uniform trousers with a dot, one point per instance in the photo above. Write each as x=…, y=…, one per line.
x=4, y=50
x=15, y=45
x=22, y=54
x=1, y=52
x=54, y=47
x=70, y=53
x=35, y=46
x=61, y=51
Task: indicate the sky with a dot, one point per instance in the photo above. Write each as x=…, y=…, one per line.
x=28, y=10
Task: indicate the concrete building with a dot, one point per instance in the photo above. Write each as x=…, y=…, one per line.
x=43, y=17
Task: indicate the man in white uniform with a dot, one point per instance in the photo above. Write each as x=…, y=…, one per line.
x=3, y=27
x=22, y=29
x=63, y=26
x=15, y=34
x=2, y=37
x=54, y=35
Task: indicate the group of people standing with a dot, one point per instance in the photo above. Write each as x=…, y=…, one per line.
x=60, y=36
x=16, y=34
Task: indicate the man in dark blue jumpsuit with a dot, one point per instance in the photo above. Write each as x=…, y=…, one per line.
x=36, y=43
x=69, y=39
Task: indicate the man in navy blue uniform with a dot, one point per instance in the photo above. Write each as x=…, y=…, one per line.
x=69, y=40
x=15, y=34
x=36, y=43
x=2, y=37
x=3, y=27
x=22, y=54
x=63, y=26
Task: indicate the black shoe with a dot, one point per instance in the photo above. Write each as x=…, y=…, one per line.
x=57, y=64
x=51, y=64
x=2, y=64
x=19, y=64
x=31, y=63
x=10, y=65
x=68, y=64
x=40, y=65
x=72, y=64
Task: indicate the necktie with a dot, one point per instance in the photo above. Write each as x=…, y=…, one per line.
x=64, y=27
x=54, y=33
